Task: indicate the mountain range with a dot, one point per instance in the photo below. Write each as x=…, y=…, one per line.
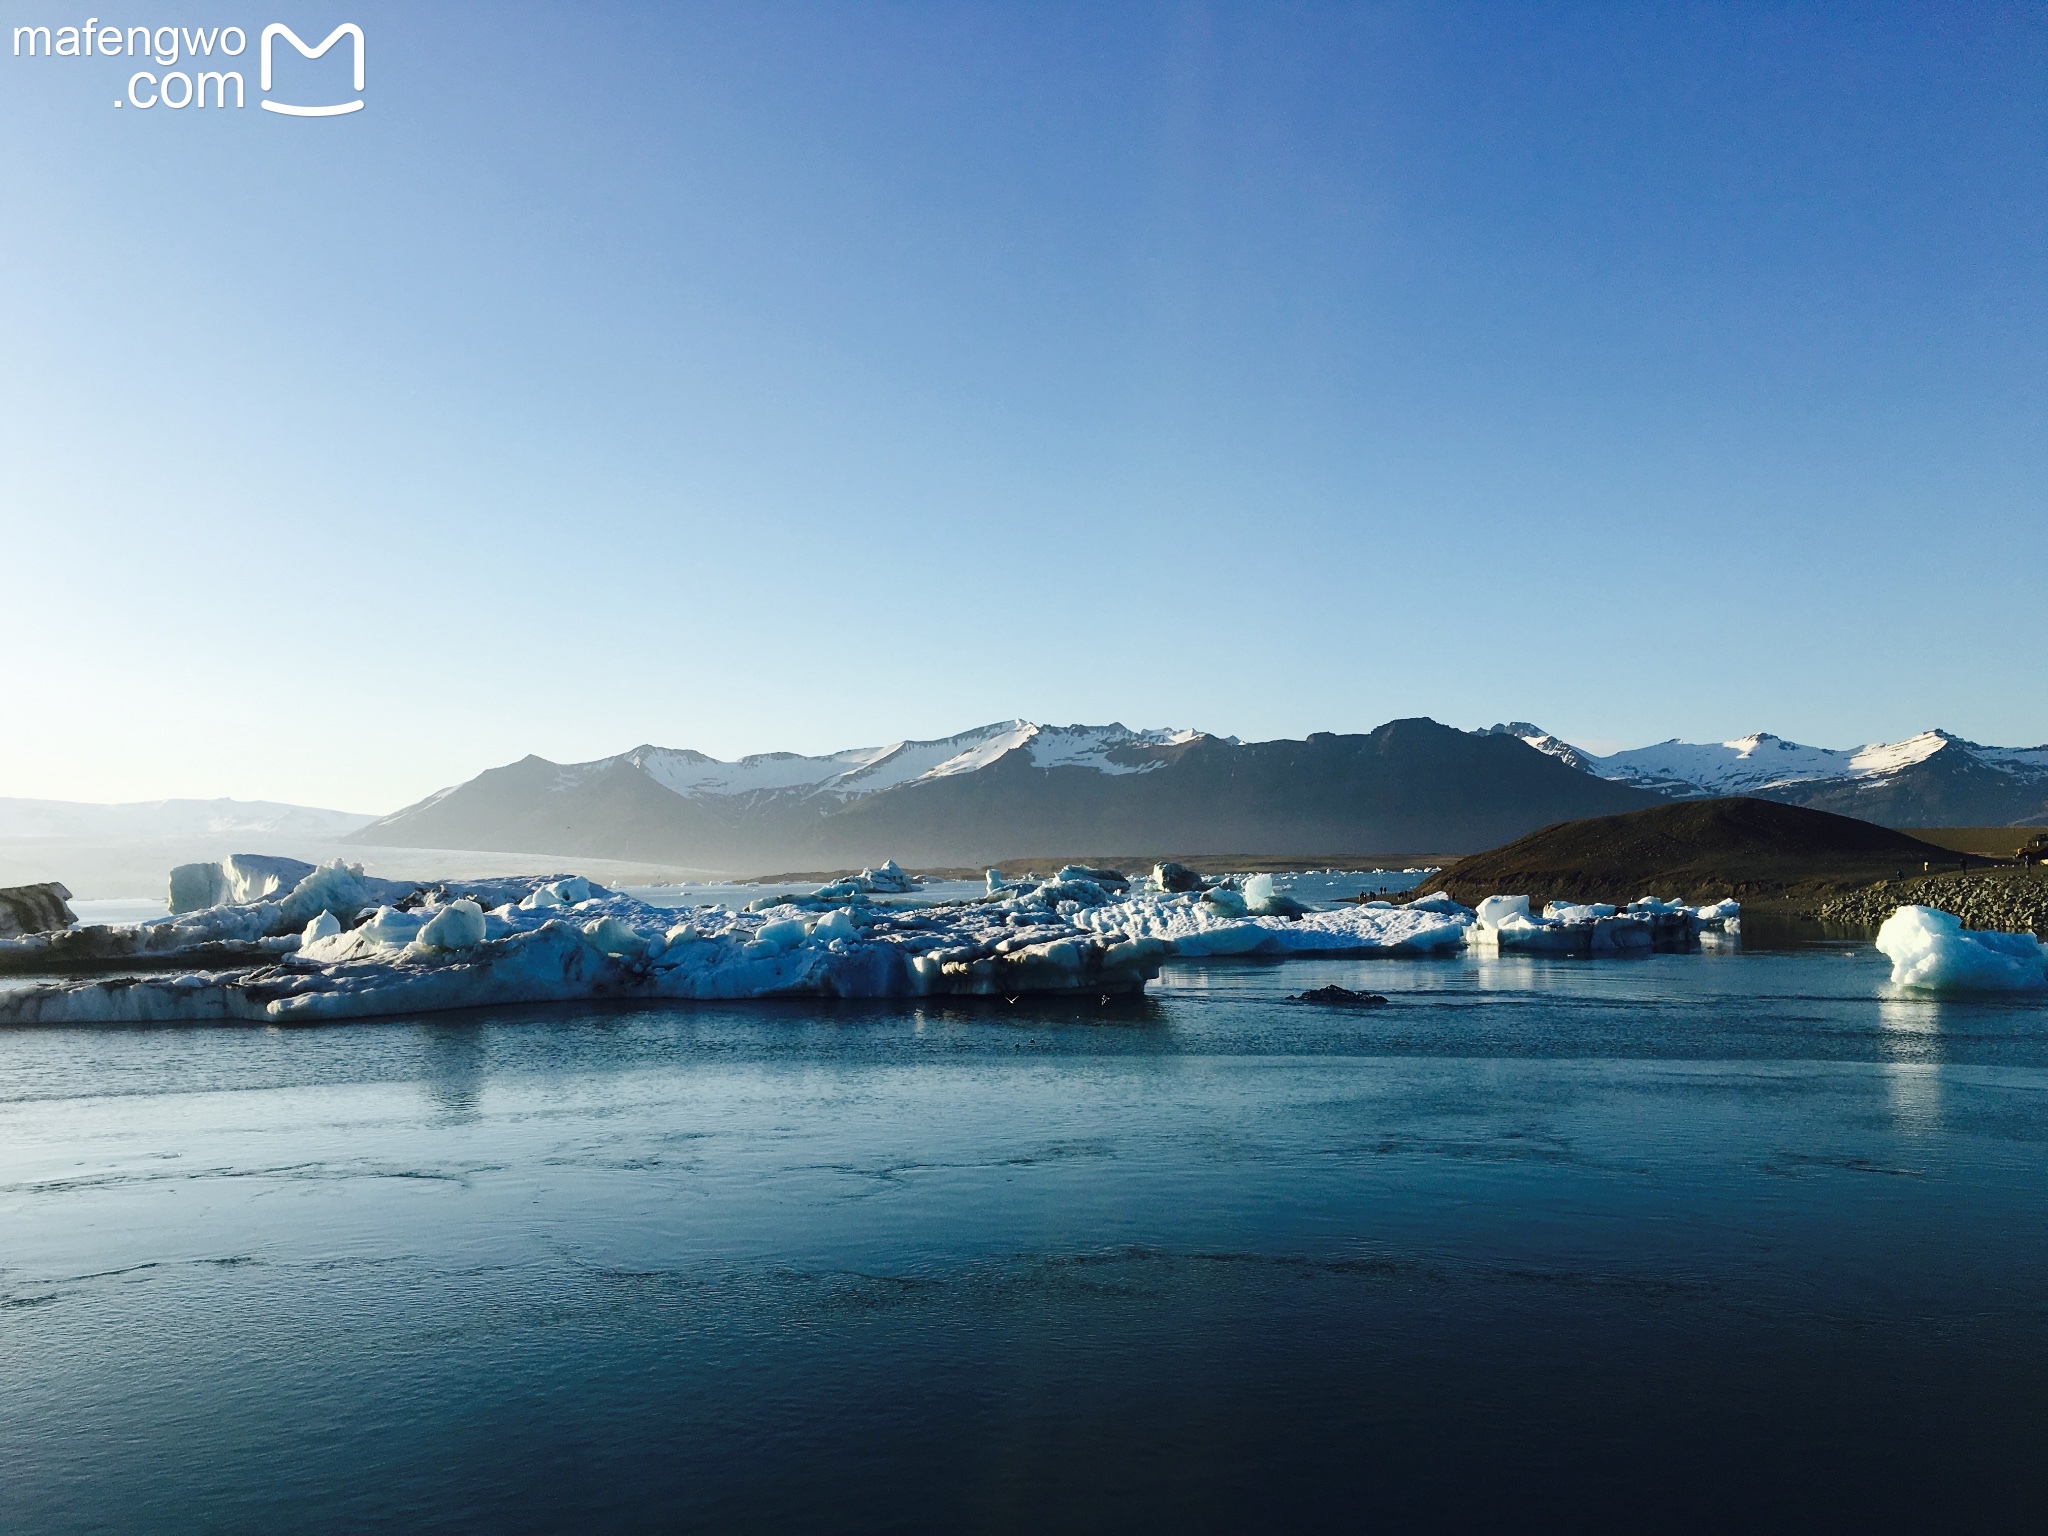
x=1022, y=791
x=1934, y=779
x=1019, y=790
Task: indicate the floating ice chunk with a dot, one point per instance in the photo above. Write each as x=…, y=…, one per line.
x=1568, y=912
x=1228, y=903
x=195, y=887
x=610, y=936
x=835, y=925
x=260, y=876
x=1652, y=904
x=390, y=927
x=1440, y=901
x=1519, y=931
x=1261, y=899
x=994, y=877
x=325, y=925
x=38, y=908
x=888, y=880
x=557, y=893
x=1196, y=926
x=342, y=889
x=1495, y=910
x=783, y=934
x=236, y=881
x=1933, y=951
x=1171, y=878
x=459, y=925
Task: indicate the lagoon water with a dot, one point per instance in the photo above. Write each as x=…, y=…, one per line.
x=1685, y=1242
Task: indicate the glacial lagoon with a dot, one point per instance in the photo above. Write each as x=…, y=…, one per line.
x=1683, y=1241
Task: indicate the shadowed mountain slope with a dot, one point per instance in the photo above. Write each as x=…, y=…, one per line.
x=1410, y=785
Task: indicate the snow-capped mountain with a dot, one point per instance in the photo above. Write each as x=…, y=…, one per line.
x=1929, y=780
x=1020, y=790
x=174, y=818
x=866, y=770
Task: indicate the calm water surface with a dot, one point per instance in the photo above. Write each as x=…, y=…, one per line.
x=1688, y=1242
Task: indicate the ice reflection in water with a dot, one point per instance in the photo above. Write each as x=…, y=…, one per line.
x=1909, y=1043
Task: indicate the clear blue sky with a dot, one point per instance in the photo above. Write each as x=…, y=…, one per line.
x=783, y=376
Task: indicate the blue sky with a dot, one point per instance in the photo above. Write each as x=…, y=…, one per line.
x=783, y=376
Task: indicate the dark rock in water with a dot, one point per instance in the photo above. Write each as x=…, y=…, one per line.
x=1341, y=997
x=34, y=909
x=1175, y=877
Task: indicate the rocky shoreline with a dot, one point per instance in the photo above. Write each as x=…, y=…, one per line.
x=2007, y=900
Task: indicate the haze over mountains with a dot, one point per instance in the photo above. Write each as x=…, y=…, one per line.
x=1019, y=790
x=174, y=818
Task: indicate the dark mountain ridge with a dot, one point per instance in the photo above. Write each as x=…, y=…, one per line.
x=1409, y=785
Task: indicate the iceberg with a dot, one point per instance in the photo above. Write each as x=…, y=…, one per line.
x=1262, y=900
x=1504, y=923
x=235, y=881
x=35, y=908
x=244, y=933
x=889, y=880
x=440, y=948
x=343, y=945
x=1198, y=925
x=1932, y=951
x=1171, y=877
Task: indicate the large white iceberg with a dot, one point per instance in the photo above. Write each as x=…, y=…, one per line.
x=1931, y=950
x=236, y=880
x=444, y=950
x=1202, y=925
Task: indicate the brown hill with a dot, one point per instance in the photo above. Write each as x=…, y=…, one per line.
x=1696, y=850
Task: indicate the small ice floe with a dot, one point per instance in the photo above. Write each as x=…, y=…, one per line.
x=1932, y=951
x=888, y=880
x=1505, y=924
x=1171, y=878
x=1254, y=921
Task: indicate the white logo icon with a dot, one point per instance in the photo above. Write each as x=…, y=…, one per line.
x=346, y=29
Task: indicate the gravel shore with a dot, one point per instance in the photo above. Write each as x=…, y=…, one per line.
x=2010, y=900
